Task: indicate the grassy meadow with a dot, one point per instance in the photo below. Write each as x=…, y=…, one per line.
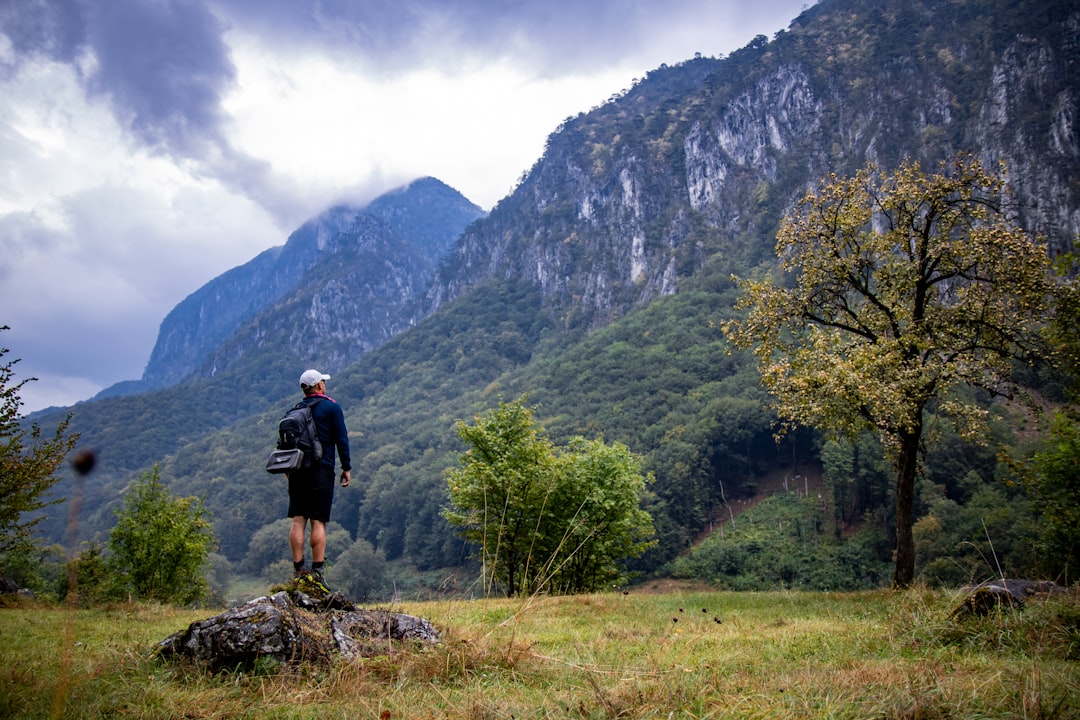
x=655, y=652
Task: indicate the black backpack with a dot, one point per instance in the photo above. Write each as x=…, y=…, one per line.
x=297, y=430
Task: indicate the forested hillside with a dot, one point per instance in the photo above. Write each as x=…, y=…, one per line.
x=598, y=289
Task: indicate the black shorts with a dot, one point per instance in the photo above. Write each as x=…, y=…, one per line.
x=311, y=493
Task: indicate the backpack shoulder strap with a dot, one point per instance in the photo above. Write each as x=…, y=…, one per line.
x=316, y=442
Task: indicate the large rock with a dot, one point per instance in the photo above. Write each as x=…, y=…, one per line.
x=984, y=598
x=293, y=627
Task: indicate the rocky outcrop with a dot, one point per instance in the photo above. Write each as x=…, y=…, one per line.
x=1030, y=121
x=294, y=628
x=211, y=315
x=993, y=595
x=697, y=164
x=343, y=283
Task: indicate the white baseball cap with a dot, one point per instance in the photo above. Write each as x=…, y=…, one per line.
x=311, y=378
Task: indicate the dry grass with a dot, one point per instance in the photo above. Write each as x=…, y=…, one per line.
x=679, y=654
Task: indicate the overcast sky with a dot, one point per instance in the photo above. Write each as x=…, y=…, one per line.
x=147, y=146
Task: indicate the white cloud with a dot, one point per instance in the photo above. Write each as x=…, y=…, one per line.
x=100, y=239
x=55, y=391
x=327, y=125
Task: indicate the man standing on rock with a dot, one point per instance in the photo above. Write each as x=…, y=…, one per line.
x=311, y=489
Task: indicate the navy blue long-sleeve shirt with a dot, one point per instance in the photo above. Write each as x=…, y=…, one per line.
x=330, y=424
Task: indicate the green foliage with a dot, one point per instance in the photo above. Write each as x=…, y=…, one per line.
x=338, y=541
x=270, y=544
x=160, y=543
x=662, y=379
x=599, y=493
x=858, y=477
x=41, y=570
x=1054, y=484
x=990, y=536
x=500, y=492
x=90, y=579
x=174, y=427
x=545, y=518
x=786, y=542
x=906, y=285
x=28, y=467
x=359, y=572
x=219, y=574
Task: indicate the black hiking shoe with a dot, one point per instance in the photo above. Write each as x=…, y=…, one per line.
x=310, y=582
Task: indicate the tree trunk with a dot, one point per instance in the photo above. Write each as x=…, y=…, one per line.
x=907, y=467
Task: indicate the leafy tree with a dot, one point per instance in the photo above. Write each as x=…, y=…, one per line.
x=499, y=494
x=270, y=544
x=160, y=543
x=906, y=286
x=359, y=572
x=42, y=570
x=597, y=507
x=545, y=518
x=90, y=576
x=1054, y=485
x=27, y=470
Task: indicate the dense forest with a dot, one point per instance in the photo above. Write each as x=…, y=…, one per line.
x=662, y=381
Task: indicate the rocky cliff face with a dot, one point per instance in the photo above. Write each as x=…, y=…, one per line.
x=697, y=163
x=1030, y=120
x=343, y=283
x=212, y=314
x=359, y=293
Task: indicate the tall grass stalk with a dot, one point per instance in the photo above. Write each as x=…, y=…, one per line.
x=659, y=651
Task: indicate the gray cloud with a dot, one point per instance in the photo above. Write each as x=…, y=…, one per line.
x=165, y=68
x=163, y=65
x=64, y=344
x=397, y=34
x=49, y=28
x=553, y=36
x=22, y=234
x=279, y=196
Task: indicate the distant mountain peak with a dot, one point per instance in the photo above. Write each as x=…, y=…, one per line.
x=197, y=337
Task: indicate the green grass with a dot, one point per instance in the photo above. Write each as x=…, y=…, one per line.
x=680, y=654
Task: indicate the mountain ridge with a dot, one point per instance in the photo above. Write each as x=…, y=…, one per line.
x=202, y=333
x=720, y=166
